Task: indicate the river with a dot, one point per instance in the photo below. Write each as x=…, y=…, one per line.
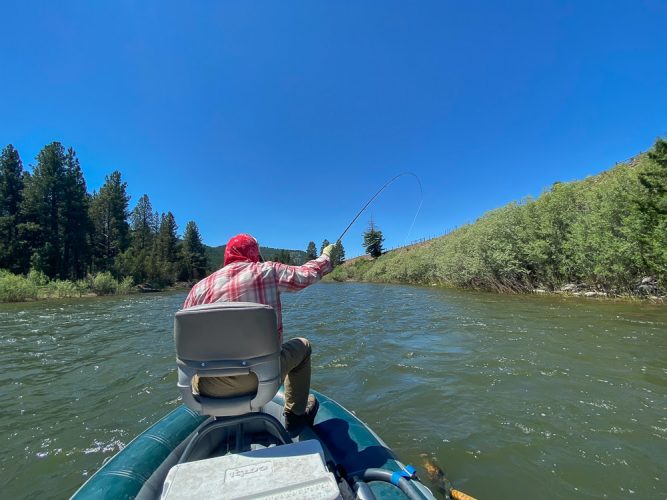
x=514, y=396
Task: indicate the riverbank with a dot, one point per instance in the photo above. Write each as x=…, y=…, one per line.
x=566, y=291
x=604, y=236
x=37, y=286
x=418, y=266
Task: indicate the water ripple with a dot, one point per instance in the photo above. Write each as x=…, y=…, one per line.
x=567, y=395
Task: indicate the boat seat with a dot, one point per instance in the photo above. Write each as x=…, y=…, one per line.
x=228, y=339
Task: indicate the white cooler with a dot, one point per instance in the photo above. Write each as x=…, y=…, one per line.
x=291, y=471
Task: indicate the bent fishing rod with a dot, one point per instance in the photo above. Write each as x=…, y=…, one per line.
x=385, y=186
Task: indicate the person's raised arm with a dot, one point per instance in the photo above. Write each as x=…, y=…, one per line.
x=293, y=278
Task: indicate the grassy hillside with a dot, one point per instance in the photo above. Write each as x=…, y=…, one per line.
x=606, y=233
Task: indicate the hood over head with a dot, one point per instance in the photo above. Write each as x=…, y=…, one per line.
x=242, y=248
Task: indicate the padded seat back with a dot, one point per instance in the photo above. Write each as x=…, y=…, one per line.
x=227, y=339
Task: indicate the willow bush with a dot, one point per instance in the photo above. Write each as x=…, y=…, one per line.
x=16, y=288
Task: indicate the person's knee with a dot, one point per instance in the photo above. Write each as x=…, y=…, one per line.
x=307, y=345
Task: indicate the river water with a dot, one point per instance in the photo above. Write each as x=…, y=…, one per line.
x=514, y=396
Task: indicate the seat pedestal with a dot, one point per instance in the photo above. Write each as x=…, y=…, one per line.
x=236, y=434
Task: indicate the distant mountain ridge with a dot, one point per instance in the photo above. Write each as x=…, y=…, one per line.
x=216, y=255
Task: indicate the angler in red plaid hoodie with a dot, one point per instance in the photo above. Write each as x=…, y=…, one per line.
x=246, y=278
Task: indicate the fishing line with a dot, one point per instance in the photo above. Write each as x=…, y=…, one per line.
x=385, y=186
x=372, y=198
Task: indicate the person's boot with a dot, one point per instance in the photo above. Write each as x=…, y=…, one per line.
x=294, y=424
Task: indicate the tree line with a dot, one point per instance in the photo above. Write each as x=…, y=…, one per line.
x=51, y=224
x=606, y=233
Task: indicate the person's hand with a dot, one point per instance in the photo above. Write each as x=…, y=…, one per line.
x=327, y=250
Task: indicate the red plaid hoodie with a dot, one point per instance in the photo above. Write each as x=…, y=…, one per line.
x=243, y=278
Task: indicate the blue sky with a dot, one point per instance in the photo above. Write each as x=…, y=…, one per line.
x=282, y=118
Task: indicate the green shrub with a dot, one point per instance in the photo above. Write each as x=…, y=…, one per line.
x=82, y=286
x=64, y=289
x=15, y=288
x=125, y=286
x=38, y=278
x=607, y=231
x=104, y=284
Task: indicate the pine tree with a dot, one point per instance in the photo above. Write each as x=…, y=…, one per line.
x=76, y=225
x=373, y=240
x=56, y=225
x=109, y=214
x=167, y=253
x=42, y=211
x=334, y=256
x=338, y=254
x=325, y=244
x=143, y=224
x=167, y=239
x=11, y=194
x=139, y=260
x=194, y=254
x=311, y=251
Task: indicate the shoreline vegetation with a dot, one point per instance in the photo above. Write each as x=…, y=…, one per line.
x=37, y=286
x=604, y=236
x=569, y=290
x=58, y=240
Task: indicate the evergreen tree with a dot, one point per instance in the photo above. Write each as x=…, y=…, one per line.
x=167, y=239
x=194, y=254
x=55, y=212
x=139, y=260
x=334, y=257
x=109, y=214
x=325, y=244
x=11, y=194
x=373, y=240
x=143, y=223
x=155, y=222
x=76, y=225
x=311, y=251
x=338, y=254
x=42, y=209
x=167, y=253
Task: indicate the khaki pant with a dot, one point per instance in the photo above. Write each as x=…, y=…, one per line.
x=294, y=372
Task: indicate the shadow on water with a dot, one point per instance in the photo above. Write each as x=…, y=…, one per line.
x=345, y=450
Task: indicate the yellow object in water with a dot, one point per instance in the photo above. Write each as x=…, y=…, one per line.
x=440, y=481
x=459, y=495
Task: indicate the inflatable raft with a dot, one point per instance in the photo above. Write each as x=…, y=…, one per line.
x=355, y=458
x=237, y=446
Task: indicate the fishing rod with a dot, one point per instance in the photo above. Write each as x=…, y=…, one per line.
x=385, y=186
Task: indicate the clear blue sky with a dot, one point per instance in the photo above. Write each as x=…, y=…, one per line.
x=282, y=118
